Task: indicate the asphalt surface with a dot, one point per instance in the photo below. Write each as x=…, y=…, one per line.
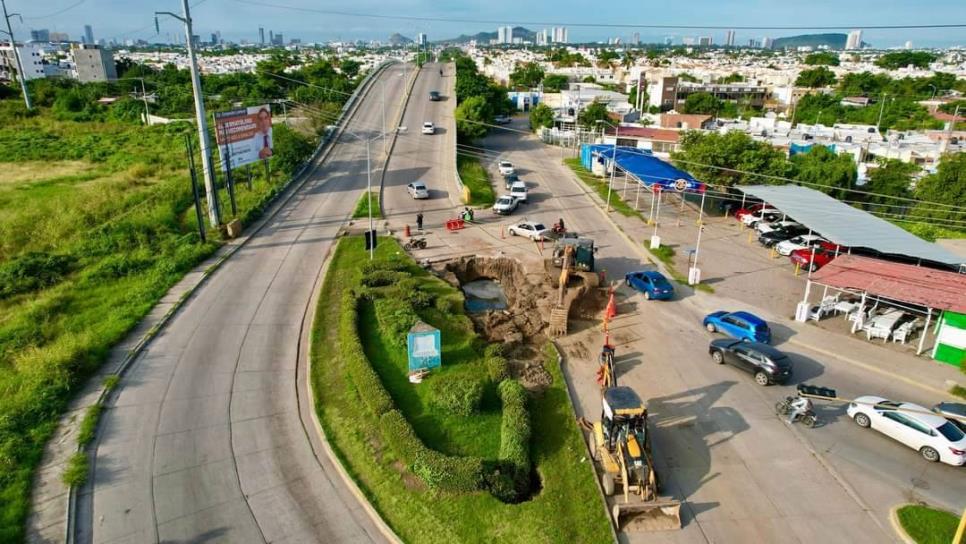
x=208, y=439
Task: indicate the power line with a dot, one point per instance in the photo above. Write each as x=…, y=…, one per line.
x=58, y=12
x=587, y=25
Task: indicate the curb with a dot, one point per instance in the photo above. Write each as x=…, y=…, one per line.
x=590, y=453
x=295, y=183
x=897, y=527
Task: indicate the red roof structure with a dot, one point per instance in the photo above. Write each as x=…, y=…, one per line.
x=647, y=133
x=918, y=285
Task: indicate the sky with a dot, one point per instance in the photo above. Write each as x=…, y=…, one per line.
x=240, y=19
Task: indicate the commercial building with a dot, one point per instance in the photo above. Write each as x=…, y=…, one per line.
x=40, y=35
x=261, y=36
x=421, y=39
x=59, y=37
x=767, y=42
x=278, y=39
x=854, y=41
x=705, y=41
x=637, y=38
x=730, y=38
x=88, y=34
x=93, y=63
x=31, y=55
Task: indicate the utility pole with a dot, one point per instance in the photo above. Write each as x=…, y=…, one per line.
x=214, y=214
x=881, y=111
x=16, y=54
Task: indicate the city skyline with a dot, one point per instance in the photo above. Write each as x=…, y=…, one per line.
x=239, y=21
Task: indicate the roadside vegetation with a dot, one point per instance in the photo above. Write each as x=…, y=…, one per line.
x=362, y=207
x=478, y=98
x=96, y=224
x=466, y=456
x=927, y=525
x=476, y=179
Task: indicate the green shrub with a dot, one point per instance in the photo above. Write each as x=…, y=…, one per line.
x=32, y=271
x=360, y=372
x=380, y=278
x=76, y=472
x=501, y=482
x=420, y=299
x=457, y=393
x=395, y=316
x=497, y=368
x=515, y=438
x=456, y=474
x=393, y=265
x=400, y=437
x=449, y=304
x=88, y=425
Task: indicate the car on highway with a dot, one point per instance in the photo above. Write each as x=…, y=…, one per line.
x=505, y=205
x=765, y=363
x=502, y=119
x=519, y=191
x=509, y=180
x=506, y=168
x=652, y=283
x=769, y=239
x=764, y=227
x=803, y=241
x=823, y=253
x=752, y=219
x=418, y=190
x=429, y=128
x=933, y=436
x=955, y=412
x=434, y=96
x=531, y=229
x=740, y=325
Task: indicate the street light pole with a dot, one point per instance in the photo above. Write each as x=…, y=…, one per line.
x=613, y=164
x=16, y=54
x=372, y=245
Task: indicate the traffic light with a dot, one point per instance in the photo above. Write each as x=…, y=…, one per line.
x=370, y=240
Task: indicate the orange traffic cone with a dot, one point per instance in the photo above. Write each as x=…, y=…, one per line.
x=611, y=310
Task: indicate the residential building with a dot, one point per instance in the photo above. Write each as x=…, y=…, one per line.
x=541, y=37
x=261, y=36
x=854, y=41
x=705, y=41
x=93, y=63
x=661, y=142
x=31, y=56
x=40, y=35
x=504, y=34
x=278, y=39
x=59, y=37
x=560, y=34
x=685, y=121
x=88, y=34
x=730, y=38
x=767, y=42
x=421, y=39
x=214, y=39
x=637, y=38
x=747, y=95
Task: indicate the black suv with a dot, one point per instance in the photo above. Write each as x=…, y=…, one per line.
x=434, y=96
x=769, y=239
x=766, y=363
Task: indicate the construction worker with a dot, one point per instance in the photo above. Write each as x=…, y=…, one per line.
x=419, y=221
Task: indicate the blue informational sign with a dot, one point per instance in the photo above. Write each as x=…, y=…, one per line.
x=424, y=347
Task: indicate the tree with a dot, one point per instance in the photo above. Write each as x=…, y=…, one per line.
x=589, y=79
x=946, y=186
x=596, y=111
x=892, y=178
x=472, y=115
x=527, y=74
x=901, y=59
x=724, y=159
x=350, y=68
x=826, y=168
x=553, y=83
x=541, y=116
x=734, y=77
x=821, y=58
x=701, y=102
x=815, y=77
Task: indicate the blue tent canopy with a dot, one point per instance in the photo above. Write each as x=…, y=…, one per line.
x=642, y=165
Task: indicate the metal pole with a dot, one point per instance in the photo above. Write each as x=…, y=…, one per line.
x=925, y=331
x=637, y=199
x=701, y=212
x=229, y=182
x=385, y=141
x=16, y=55
x=372, y=244
x=881, y=110
x=194, y=188
x=657, y=215
x=697, y=248
x=144, y=97
x=613, y=167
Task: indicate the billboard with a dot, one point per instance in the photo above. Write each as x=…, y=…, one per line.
x=244, y=135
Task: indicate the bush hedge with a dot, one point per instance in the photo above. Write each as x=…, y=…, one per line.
x=446, y=473
x=458, y=393
x=515, y=436
x=497, y=366
x=396, y=316
x=360, y=372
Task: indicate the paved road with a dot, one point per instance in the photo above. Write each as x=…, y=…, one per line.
x=423, y=157
x=745, y=475
x=205, y=441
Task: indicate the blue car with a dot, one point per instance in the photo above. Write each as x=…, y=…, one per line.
x=739, y=325
x=653, y=284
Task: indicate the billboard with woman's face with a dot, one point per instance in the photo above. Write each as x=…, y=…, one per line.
x=244, y=135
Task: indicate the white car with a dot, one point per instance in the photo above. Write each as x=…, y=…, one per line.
x=752, y=219
x=519, y=191
x=506, y=168
x=764, y=227
x=418, y=190
x=429, y=128
x=531, y=229
x=934, y=437
x=505, y=205
x=804, y=241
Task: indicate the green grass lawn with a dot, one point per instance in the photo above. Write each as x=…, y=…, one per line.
x=566, y=509
x=927, y=525
x=362, y=207
x=477, y=180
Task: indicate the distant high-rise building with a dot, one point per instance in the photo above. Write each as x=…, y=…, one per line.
x=730, y=38
x=767, y=42
x=271, y=37
x=560, y=34
x=908, y=44
x=40, y=35
x=88, y=34
x=704, y=41
x=637, y=38
x=278, y=39
x=59, y=37
x=501, y=36
x=854, y=41
x=214, y=39
x=261, y=35
x=541, y=37
x=421, y=39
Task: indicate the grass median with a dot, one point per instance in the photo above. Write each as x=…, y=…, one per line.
x=927, y=525
x=362, y=207
x=566, y=508
x=477, y=180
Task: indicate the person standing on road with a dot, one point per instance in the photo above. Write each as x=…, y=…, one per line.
x=419, y=221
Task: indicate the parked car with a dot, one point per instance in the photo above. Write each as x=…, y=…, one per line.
x=769, y=239
x=824, y=252
x=434, y=96
x=509, y=180
x=752, y=219
x=955, y=412
x=519, y=191
x=505, y=205
x=429, y=128
x=767, y=226
x=418, y=190
x=765, y=363
x=742, y=212
x=506, y=168
x=933, y=436
x=739, y=325
x=502, y=119
x=804, y=241
x=652, y=283
x=531, y=229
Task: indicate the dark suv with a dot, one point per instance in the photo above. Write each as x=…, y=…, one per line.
x=766, y=363
x=769, y=239
x=434, y=96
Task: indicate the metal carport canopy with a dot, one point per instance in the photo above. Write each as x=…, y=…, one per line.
x=847, y=226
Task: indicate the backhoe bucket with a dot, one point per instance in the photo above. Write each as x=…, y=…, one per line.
x=660, y=515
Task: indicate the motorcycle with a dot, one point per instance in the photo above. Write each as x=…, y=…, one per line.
x=783, y=408
x=558, y=229
x=415, y=243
